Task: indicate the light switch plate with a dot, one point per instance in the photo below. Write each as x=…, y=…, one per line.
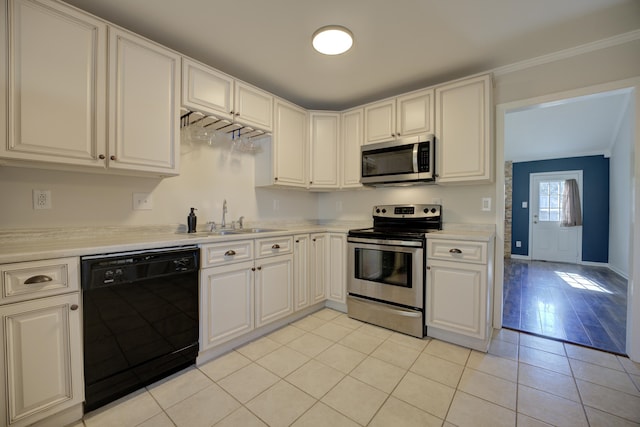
x=486, y=204
x=525, y=205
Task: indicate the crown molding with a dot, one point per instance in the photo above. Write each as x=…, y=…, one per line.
x=568, y=53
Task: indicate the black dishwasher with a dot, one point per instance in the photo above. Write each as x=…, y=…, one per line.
x=140, y=318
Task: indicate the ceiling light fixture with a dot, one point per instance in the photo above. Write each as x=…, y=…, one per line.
x=332, y=40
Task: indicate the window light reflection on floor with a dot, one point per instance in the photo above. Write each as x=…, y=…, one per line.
x=578, y=281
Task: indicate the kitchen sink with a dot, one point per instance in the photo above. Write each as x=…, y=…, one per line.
x=256, y=230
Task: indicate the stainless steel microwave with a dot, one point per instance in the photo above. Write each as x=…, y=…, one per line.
x=408, y=160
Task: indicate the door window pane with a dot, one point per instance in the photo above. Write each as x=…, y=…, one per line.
x=550, y=200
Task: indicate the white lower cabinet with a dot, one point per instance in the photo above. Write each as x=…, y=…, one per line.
x=317, y=267
x=41, y=364
x=226, y=303
x=302, y=291
x=238, y=294
x=458, y=294
x=337, y=268
x=274, y=288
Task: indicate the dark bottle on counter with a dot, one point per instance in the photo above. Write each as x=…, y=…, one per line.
x=192, y=221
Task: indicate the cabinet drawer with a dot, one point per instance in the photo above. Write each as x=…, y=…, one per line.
x=461, y=250
x=274, y=246
x=226, y=253
x=35, y=279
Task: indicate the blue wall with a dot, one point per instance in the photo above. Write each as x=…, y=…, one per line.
x=595, y=203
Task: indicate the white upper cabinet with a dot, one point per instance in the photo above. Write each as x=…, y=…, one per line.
x=352, y=138
x=144, y=109
x=406, y=115
x=4, y=59
x=57, y=84
x=61, y=80
x=284, y=162
x=206, y=90
x=253, y=107
x=463, y=131
x=324, y=144
x=212, y=92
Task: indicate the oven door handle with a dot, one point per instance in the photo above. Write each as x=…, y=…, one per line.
x=405, y=243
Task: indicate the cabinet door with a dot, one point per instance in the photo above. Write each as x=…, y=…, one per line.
x=457, y=298
x=206, y=90
x=253, y=107
x=301, y=295
x=317, y=267
x=336, y=271
x=57, y=84
x=415, y=113
x=352, y=138
x=463, y=129
x=274, y=288
x=325, y=139
x=380, y=121
x=289, y=145
x=144, y=114
x=226, y=303
x=42, y=361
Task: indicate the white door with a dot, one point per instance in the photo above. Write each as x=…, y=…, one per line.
x=548, y=240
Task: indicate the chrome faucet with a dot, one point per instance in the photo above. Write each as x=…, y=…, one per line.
x=224, y=213
x=241, y=222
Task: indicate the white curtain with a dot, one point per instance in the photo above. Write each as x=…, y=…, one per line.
x=571, y=213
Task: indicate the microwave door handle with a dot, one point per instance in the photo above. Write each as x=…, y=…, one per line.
x=415, y=158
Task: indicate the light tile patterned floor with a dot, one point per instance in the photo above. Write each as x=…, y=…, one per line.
x=329, y=370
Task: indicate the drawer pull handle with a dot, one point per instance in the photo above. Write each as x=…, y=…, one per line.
x=41, y=278
x=455, y=251
x=74, y=307
x=275, y=246
x=230, y=252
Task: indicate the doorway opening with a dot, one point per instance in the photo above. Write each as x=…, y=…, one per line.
x=569, y=283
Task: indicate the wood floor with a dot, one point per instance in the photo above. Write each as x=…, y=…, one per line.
x=575, y=303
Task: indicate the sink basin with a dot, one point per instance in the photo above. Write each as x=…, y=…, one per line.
x=255, y=230
x=222, y=232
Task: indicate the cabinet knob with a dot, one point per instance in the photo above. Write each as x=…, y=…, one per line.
x=230, y=252
x=253, y=269
x=455, y=251
x=314, y=240
x=112, y=157
x=101, y=156
x=74, y=307
x=428, y=268
x=40, y=278
x=232, y=112
x=237, y=114
x=275, y=246
x=259, y=268
x=275, y=179
x=297, y=241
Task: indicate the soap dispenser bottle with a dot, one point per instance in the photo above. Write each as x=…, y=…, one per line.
x=192, y=220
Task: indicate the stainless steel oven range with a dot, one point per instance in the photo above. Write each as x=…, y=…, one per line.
x=386, y=267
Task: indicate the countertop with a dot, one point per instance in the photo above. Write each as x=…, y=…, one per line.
x=35, y=244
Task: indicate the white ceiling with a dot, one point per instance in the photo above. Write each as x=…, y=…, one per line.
x=582, y=126
x=399, y=45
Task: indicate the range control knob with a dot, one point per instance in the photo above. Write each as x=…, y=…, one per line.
x=378, y=210
x=433, y=210
x=425, y=210
x=384, y=211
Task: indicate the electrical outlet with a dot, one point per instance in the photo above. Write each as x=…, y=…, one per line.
x=41, y=199
x=142, y=202
x=486, y=204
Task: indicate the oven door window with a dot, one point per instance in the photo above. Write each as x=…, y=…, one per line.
x=386, y=267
